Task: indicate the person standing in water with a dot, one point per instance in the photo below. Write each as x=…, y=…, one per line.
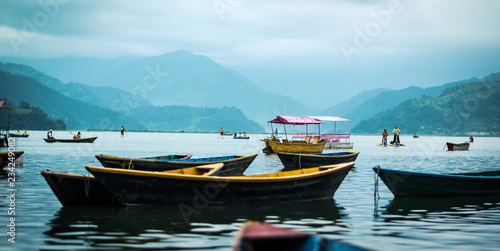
x=396, y=136
x=122, y=131
x=384, y=137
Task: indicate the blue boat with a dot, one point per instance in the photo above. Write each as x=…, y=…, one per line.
x=299, y=160
x=264, y=236
x=233, y=164
x=241, y=137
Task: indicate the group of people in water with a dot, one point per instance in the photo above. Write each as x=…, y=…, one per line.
x=395, y=141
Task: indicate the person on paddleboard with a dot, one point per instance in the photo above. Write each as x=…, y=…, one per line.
x=384, y=137
x=396, y=136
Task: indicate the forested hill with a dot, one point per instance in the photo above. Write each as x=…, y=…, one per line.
x=459, y=110
x=27, y=117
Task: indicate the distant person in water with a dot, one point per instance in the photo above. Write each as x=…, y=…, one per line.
x=384, y=136
x=122, y=131
x=396, y=135
x=471, y=139
x=221, y=131
x=276, y=131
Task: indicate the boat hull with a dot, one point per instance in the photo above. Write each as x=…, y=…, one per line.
x=233, y=165
x=296, y=160
x=139, y=187
x=82, y=140
x=275, y=146
x=13, y=135
x=457, y=147
x=77, y=189
x=402, y=183
x=4, y=157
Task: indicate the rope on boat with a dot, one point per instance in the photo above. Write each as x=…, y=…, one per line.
x=375, y=192
x=300, y=165
x=376, y=195
x=87, y=186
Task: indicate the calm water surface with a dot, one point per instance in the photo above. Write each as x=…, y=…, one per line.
x=353, y=215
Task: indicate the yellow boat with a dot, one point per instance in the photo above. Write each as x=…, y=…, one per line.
x=177, y=187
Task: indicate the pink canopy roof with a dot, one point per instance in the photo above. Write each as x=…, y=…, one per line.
x=329, y=118
x=294, y=120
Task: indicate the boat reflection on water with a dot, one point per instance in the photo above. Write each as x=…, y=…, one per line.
x=126, y=226
x=420, y=218
x=405, y=206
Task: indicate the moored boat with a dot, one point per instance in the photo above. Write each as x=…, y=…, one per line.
x=233, y=164
x=77, y=189
x=9, y=157
x=299, y=160
x=240, y=137
x=143, y=187
x=404, y=183
x=274, y=145
x=83, y=190
x=457, y=147
x=82, y=140
x=264, y=236
x=13, y=135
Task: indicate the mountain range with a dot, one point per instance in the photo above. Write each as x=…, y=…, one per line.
x=470, y=108
x=174, y=81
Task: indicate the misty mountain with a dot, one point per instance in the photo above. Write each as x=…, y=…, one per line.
x=80, y=115
x=459, y=110
x=182, y=78
x=75, y=69
x=103, y=96
x=367, y=104
x=75, y=114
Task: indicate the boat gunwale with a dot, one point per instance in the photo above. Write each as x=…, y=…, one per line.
x=64, y=174
x=434, y=175
x=236, y=158
x=257, y=178
x=321, y=155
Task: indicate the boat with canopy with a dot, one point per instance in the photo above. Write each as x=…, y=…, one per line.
x=333, y=140
x=309, y=144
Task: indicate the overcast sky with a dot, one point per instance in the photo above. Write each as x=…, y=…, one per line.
x=335, y=49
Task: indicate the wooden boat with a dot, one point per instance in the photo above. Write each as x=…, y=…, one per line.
x=457, y=147
x=77, y=189
x=240, y=137
x=143, y=187
x=298, y=160
x=264, y=236
x=83, y=190
x=82, y=140
x=5, y=159
x=403, y=183
x=13, y=135
x=233, y=164
x=274, y=145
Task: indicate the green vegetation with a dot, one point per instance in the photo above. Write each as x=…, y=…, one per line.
x=26, y=117
x=459, y=110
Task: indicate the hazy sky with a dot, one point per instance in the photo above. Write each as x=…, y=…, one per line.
x=311, y=50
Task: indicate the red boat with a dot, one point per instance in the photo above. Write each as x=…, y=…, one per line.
x=457, y=147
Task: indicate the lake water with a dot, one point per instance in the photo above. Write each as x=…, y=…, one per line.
x=352, y=215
